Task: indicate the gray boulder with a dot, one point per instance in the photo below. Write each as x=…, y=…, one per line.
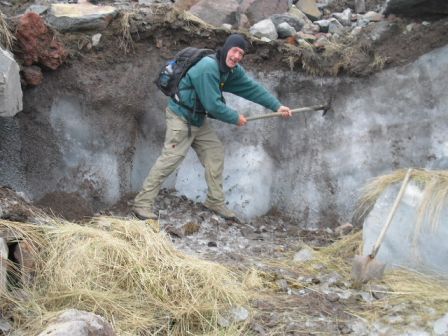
x=76, y=17
x=291, y=20
x=257, y=10
x=264, y=28
x=285, y=30
x=216, y=13
x=10, y=87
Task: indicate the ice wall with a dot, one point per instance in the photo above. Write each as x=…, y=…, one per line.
x=101, y=143
x=395, y=119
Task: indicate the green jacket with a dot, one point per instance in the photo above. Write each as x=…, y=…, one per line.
x=206, y=80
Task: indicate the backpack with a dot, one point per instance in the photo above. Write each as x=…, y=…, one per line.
x=174, y=70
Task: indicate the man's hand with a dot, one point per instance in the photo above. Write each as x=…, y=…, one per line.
x=242, y=121
x=285, y=111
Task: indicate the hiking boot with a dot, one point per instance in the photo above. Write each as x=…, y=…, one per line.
x=144, y=213
x=222, y=211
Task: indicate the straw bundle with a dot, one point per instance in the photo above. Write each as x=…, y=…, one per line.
x=129, y=274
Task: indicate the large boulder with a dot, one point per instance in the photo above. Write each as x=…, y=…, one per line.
x=10, y=89
x=257, y=10
x=216, y=13
x=416, y=8
x=75, y=17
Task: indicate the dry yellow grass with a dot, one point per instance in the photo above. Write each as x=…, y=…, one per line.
x=6, y=37
x=129, y=274
x=126, y=42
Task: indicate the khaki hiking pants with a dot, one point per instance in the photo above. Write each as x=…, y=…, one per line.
x=208, y=148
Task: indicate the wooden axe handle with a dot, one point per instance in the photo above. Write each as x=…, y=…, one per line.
x=297, y=110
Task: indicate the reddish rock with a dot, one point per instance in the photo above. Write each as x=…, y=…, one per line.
x=291, y=40
x=37, y=43
x=32, y=75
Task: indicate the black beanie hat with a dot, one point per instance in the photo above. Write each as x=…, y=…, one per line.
x=234, y=40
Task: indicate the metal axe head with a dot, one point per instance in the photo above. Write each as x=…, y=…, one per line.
x=327, y=106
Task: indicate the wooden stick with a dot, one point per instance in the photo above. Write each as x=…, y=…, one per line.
x=278, y=114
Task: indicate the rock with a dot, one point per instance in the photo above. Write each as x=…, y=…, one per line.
x=441, y=326
x=379, y=31
x=309, y=8
x=5, y=327
x=264, y=28
x=185, y=4
x=285, y=30
x=216, y=12
x=373, y=16
x=239, y=314
x=343, y=229
x=174, y=231
x=379, y=292
x=38, y=44
x=332, y=297
x=243, y=21
x=38, y=9
x=345, y=18
x=305, y=254
x=282, y=285
x=258, y=10
x=291, y=20
x=76, y=17
x=10, y=87
x=32, y=75
x=323, y=24
x=223, y=322
x=294, y=11
x=78, y=323
x=335, y=26
x=311, y=28
x=96, y=39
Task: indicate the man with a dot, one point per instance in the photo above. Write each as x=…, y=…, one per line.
x=200, y=96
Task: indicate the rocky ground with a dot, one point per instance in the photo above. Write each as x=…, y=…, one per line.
x=294, y=298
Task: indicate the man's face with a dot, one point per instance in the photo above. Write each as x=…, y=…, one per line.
x=234, y=56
